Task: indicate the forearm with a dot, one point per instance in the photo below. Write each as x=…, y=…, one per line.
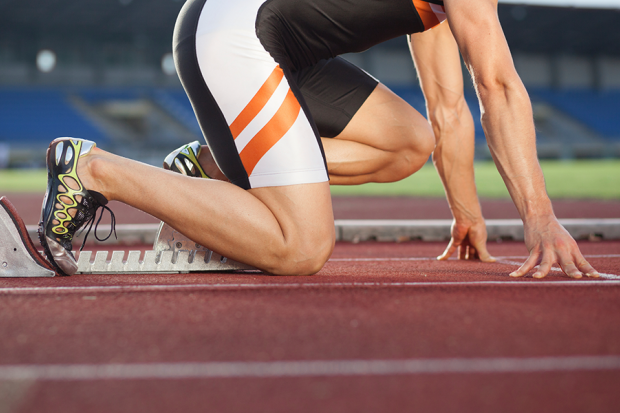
x=508, y=124
x=454, y=159
x=441, y=80
x=506, y=110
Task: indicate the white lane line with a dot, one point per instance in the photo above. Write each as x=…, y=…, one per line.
x=524, y=257
x=310, y=368
x=602, y=256
x=557, y=269
x=292, y=286
x=381, y=259
x=585, y=256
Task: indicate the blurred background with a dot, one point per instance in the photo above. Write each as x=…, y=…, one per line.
x=103, y=70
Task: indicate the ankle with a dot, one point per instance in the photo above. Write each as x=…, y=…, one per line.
x=91, y=171
x=209, y=166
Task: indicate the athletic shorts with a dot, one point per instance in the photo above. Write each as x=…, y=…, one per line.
x=261, y=120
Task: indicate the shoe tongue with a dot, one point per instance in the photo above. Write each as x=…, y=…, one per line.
x=102, y=200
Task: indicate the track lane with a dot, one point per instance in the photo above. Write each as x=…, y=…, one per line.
x=372, y=303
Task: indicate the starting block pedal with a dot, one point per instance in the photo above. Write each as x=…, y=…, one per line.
x=172, y=253
x=18, y=255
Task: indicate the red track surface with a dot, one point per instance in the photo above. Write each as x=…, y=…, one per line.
x=372, y=302
x=441, y=312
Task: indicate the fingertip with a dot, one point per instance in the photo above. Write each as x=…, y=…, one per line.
x=594, y=274
x=538, y=275
x=515, y=274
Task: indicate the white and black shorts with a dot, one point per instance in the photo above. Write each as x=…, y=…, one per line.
x=265, y=81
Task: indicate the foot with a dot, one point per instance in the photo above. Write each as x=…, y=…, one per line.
x=185, y=161
x=68, y=205
x=194, y=160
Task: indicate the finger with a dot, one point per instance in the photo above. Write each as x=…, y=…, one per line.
x=570, y=269
x=585, y=267
x=527, y=266
x=544, y=268
x=448, y=251
x=462, y=252
x=473, y=254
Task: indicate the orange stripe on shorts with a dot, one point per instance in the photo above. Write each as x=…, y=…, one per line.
x=271, y=133
x=257, y=103
x=428, y=16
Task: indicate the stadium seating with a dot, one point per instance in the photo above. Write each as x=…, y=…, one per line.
x=35, y=116
x=31, y=117
x=176, y=103
x=598, y=111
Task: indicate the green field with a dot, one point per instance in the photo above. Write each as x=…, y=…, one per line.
x=594, y=179
x=597, y=179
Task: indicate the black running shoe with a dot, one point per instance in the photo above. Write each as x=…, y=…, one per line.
x=65, y=210
x=185, y=161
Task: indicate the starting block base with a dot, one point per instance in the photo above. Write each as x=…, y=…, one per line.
x=172, y=253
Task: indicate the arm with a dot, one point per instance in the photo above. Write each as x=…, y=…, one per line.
x=438, y=64
x=508, y=124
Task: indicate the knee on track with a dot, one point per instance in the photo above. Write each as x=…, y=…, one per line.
x=303, y=257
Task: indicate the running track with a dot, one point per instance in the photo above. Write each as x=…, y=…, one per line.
x=383, y=327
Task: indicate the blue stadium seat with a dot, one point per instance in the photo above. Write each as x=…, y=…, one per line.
x=597, y=110
x=37, y=116
x=177, y=104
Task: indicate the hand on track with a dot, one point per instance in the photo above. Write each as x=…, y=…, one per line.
x=549, y=243
x=470, y=242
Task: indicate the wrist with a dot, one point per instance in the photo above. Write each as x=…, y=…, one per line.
x=536, y=210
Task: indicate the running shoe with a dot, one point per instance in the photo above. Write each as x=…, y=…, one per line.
x=185, y=161
x=67, y=205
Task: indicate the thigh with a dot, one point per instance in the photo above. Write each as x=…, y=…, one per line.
x=244, y=100
x=334, y=90
x=385, y=121
x=347, y=103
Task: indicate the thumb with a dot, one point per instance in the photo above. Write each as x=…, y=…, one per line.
x=452, y=246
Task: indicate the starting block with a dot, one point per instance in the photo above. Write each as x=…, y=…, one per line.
x=18, y=255
x=172, y=253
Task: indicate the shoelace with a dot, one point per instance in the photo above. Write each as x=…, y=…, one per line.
x=92, y=221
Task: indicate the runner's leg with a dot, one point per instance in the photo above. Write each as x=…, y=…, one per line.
x=385, y=141
x=281, y=230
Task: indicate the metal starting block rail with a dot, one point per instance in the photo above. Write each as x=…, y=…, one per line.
x=172, y=253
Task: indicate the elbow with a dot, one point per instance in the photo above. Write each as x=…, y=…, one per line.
x=450, y=116
x=499, y=86
x=492, y=87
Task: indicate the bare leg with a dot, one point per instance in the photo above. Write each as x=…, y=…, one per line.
x=387, y=140
x=281, y=230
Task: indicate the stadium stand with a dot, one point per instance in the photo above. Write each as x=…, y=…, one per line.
x=32, y=116
x=111, y=83
x=598, y=110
